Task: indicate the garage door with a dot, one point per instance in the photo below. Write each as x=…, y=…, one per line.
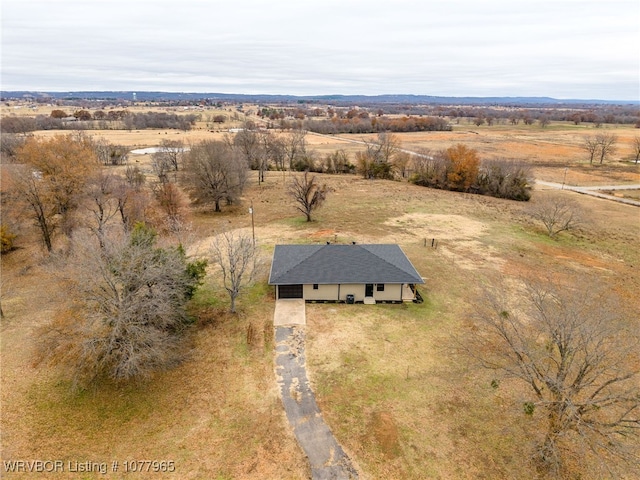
x=289, y=291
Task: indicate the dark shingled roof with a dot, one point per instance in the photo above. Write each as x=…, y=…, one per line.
x=333, y=263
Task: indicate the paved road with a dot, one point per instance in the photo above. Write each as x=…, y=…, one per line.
x=327, y=459
x=595, y=191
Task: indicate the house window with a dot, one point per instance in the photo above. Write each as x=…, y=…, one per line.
x=380, y=287
x=315, y=286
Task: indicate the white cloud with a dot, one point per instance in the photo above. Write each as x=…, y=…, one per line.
x=559, y=48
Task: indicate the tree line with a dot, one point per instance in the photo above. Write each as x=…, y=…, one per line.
x=366, y=124
x=514, y=114
x=99, y=120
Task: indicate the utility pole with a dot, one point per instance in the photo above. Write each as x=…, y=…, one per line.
x=565, y=177
x=253, y=227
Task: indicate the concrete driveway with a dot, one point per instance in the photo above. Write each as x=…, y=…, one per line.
x=327, y=459
x=290, y=311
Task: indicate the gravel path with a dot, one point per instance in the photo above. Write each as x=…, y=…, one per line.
x=327, y=459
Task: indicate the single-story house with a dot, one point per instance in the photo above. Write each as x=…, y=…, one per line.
x=343, y=273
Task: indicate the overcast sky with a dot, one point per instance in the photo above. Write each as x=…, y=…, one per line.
x=557, y=48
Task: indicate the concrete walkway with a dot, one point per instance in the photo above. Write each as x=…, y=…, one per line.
x=326, y=457
x=290, y=311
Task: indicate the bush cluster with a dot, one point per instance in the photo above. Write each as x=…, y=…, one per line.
x=459, y=168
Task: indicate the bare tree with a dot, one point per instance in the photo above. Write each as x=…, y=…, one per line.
x=268, y=150
x=237, y=257
x=167, y=159
x=161, y=166
x=215, y=173
x=172, y=151
x=557, y=215
x=384, y=147
x=401, y=162
x=10, y=143
x=172, y=201
x=636, y=149
x=103, y=204
x=338, y=162
x=110, y=154
x=600, y=146
x=308, y=195
x=606, y=145
x=133, y=204
x=276, y=151
x=251, y=146
x=128, y=311
x=295, y=146
x=135, y=177
x=590, y=144
x=577, y=359
x=430, y=169
x=377, y=160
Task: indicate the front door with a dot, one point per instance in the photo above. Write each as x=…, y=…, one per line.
x=368, y=290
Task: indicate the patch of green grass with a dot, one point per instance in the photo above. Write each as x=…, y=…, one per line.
x=57, y=411
x=256, y=293
x=206, y=296
x=298, y=221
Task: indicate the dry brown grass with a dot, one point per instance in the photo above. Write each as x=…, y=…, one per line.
x=216, y=416
x=378, y=371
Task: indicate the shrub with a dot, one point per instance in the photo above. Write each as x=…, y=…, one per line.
x=6, y=238
x=504, y=179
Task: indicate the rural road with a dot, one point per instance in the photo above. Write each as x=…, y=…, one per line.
x=327, y=459
x=592, y=191
x=595, y=191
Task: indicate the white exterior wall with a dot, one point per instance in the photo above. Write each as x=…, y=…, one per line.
x=332, y=293
x=355, y=289
x=324, y=292
x=392, y=293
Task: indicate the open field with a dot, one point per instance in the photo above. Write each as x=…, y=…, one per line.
x=387, y=377
x=554, y=152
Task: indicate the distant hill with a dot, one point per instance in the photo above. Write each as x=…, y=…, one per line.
x=333, y=99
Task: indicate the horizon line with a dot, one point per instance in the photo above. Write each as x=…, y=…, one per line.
x=321, y=95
